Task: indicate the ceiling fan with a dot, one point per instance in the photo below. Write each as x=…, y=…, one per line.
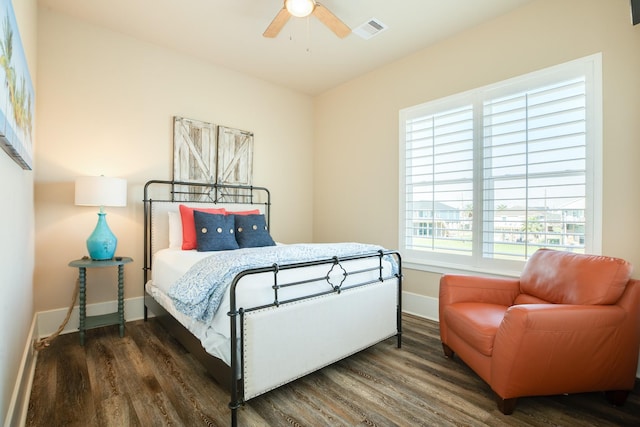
x=301, y=9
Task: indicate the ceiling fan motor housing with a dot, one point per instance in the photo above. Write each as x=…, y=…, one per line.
x=300, y=8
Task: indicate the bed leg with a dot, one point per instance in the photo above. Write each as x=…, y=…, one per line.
x=234, y=414
x=399, y=326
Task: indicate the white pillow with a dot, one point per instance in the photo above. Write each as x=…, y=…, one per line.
x=175, y=230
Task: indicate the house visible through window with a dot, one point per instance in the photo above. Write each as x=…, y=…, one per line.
x=491, y=175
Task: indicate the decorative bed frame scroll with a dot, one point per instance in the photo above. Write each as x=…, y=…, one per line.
x=239, y=385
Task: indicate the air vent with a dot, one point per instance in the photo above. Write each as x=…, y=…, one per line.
x=371, y=28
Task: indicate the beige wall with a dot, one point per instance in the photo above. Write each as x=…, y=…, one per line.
x=356, y=124
x=106, y=105
x=16, y=238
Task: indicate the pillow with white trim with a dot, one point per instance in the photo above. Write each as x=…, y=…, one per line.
x=251, y=231
x=214, y=232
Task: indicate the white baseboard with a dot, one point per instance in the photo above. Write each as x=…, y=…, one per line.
x=17, y=411
x=50, y=321
x=420, y=305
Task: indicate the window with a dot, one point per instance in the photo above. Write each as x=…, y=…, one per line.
x=491, y=175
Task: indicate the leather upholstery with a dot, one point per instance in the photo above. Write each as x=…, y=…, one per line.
x=570, y=323
x=568, y=278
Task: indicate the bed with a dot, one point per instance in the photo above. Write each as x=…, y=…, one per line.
x=263, y=314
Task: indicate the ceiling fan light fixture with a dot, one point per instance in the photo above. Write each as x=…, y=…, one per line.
x=300, y=8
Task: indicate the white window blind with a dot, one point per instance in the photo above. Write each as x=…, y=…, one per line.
x=439, y=177
x=492, y=175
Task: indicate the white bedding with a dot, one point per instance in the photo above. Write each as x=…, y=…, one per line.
x=253, y=290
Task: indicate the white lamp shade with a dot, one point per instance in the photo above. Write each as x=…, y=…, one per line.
x=300, y=8
x=101, y=191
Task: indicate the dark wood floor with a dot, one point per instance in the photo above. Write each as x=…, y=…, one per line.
x=148, y=379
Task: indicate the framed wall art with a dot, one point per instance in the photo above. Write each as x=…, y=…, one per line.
x=194, y=153
x=235, y=157
x=17, y=98
x=204, y=152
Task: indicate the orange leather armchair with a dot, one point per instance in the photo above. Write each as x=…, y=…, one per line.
x=569, y=324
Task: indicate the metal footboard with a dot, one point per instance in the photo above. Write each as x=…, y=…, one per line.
x=339, y=276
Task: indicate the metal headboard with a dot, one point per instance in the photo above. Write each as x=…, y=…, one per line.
x=194, y=193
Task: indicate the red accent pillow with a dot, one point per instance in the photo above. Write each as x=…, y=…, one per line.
x=253, y=212
x=189, y=240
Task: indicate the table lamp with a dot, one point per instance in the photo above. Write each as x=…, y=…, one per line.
x=101, y=191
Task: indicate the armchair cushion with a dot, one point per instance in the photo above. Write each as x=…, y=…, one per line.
x=476, y=323
x=567, y=278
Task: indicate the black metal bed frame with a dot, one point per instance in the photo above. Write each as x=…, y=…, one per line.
x=334, y=278
x=212, y=192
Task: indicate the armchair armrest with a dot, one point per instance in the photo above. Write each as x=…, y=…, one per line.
x=460, y=288
x=540, y=349
x=526, y=318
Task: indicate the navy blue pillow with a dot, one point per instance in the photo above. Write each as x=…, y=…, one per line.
x=214, y=232
x=251, y=231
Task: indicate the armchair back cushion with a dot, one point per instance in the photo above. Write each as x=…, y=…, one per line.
x=565, y=278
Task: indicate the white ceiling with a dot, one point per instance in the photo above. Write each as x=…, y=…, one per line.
x=306, y=56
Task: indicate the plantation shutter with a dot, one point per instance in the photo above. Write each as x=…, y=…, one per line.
x=534, y=173
x=489, y=176
x=439, y=181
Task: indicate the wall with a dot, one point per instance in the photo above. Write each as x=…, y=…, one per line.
x=359, y=119
x=106, y=105
x=16, y=237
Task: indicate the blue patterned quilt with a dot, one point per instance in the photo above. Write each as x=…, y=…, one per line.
x=198, y=293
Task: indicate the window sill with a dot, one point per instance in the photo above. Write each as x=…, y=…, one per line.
x=445, y=268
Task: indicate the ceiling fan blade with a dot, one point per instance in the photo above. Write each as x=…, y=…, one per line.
x=278, y=22
x=332, y=21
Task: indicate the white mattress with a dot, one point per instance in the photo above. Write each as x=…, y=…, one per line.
x=253, y=290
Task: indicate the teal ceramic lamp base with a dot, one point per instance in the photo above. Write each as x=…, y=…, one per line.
x=102, y=242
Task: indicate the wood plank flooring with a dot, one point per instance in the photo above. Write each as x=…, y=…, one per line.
x=148, y=379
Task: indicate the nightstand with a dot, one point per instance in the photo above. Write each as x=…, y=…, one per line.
x=117, y=318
